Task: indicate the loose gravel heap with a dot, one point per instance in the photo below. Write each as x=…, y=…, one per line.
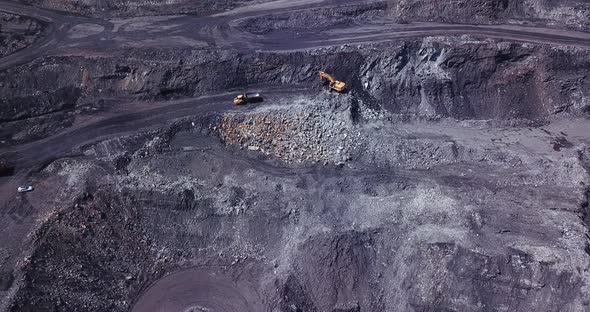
x=306, y=131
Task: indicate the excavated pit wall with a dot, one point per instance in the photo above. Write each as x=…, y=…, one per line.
x=457, y=77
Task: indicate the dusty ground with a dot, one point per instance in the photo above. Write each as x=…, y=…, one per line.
x=452, y=175
x=497, y=204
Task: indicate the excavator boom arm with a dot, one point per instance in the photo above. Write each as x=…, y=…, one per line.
x=327, y=76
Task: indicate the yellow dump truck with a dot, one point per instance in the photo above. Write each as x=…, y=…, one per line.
x=247, y=98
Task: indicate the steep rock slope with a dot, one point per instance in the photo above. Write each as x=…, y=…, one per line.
x=462, y=78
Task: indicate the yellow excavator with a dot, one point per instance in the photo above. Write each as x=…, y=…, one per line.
x=334, y=84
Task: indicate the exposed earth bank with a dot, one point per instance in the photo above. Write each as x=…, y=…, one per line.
x=431, y=78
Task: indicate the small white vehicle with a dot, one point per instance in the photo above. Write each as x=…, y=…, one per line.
x=23, y=189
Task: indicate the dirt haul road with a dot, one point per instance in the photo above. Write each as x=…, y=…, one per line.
x=142, y=117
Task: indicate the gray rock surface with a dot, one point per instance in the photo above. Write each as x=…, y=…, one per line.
x=452, y=175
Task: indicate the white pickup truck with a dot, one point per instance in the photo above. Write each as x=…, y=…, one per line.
x=23, y=189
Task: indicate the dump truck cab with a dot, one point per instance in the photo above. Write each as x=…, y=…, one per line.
x=240, y=99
